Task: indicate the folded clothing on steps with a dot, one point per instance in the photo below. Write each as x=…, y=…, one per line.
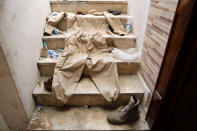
x=72, y=23
x=54, y=18
x=93, y=25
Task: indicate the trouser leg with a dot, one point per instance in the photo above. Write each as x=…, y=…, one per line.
x=105, y=77
x=66, y=78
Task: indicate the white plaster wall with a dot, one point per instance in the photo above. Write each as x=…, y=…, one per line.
x=21, y=28
x=139, y=9
x=11, y=107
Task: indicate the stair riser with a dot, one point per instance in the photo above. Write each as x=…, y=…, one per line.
x=55, y=43
x=124, y=68
x=100, y=19
x=86, y=6
x=85, y=99
x=123, y=19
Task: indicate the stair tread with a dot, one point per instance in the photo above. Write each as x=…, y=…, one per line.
x=121, y=16
x=124, y=42
x=49, y=60
x=129, y=84
x=97, y=1
x=80, y=118
x=66, y=35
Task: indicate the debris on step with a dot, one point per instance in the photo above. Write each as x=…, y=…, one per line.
x=44, y=53
x=36, y=115
x=80, y=13
x=48, y=84
x=128, y=26
x=57, y=31
x=44, y=44
x=60, y=50
x=125, y=55
x=39, y=107
x=53, y=54
x=114, y=12
x=87, y=107
x=39, y=82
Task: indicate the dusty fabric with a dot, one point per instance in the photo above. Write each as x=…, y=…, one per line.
x=105, y=77
x=71, y=18
x=85, y=50
x=88, y=24
x=65, y=79
x=48, y=30
x=94, y=12
x=62, y=24
x=116, y=24
x=54, y=18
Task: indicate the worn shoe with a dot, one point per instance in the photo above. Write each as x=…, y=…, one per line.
x=129, y=113
x=48, y=84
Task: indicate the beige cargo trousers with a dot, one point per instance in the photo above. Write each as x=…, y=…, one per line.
x=88, y=50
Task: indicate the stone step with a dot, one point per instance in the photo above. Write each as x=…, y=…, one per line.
x=80, y=118
x=47, y=65
x=86, y=5
x=58, y=41
x=87, y=94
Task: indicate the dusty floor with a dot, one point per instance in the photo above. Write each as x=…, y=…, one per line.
x=79, y=118
x=3, y=126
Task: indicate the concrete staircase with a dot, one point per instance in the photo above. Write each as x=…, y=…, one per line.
x=76, y=115
x=86, y=5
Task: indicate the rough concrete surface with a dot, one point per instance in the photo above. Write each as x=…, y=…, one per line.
x=79, y=118
x=3, y=126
